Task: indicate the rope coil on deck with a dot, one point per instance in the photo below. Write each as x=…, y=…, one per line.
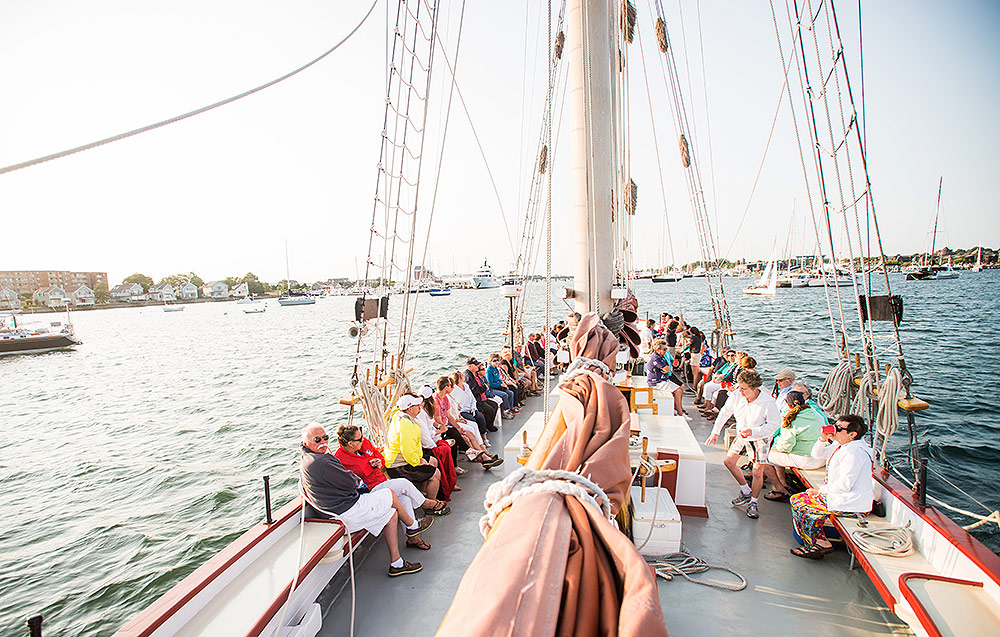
x=686, y=565
x=524, y=481
x=893, y=541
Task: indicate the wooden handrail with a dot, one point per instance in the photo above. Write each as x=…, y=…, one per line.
x=917, y=606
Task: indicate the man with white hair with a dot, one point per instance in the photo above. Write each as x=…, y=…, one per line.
x=333, y=491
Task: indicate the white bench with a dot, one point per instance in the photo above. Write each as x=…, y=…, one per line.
x=672, y=435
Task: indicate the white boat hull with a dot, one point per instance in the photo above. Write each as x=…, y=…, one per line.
x=296, y=300
x=485, y=283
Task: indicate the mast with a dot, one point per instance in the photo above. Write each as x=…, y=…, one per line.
x=288, y=277
x=591, y=91
x=937, y=210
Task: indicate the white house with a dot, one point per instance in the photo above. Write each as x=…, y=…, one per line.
x=188, y=291
x=81, y=295
x=52, y=296
x=161, y=292
x=241, y=291
x=215, y=290
x=125, y=292
x=9, y=299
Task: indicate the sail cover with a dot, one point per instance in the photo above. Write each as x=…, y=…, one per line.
x=552, y=565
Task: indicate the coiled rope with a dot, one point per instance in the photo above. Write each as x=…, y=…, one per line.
x=887, y=417
x=580, y=365
x=893, y=541
x=834, y=397
x=686, y=565
x=524, y=481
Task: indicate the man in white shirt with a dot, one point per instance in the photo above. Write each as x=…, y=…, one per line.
x=756, y=421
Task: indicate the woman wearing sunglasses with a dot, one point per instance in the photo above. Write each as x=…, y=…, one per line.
x=849, y=487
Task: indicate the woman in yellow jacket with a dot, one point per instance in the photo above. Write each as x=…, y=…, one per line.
x=404, y=456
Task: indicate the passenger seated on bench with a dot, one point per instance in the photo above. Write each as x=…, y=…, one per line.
x=359, y=456
x=331, y=490
x=801, y=426
x=404, y=455
x=849, y=487
x=659, y=375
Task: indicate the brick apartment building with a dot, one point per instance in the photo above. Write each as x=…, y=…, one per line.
x=30, y=280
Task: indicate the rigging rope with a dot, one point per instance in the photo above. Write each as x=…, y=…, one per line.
x=198, y=111
x=834, y=397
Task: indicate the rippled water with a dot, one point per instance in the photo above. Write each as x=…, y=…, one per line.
x=128, y=462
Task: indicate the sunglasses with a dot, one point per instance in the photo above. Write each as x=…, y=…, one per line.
x=319, y=439
x=839, y=428
x=358, y=439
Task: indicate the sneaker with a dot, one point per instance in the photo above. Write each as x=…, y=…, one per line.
x=424, y=524
x=406, y=568
x=741, y=499
x=752, y=511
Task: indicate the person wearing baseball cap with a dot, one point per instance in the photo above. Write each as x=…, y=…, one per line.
x=783, y=384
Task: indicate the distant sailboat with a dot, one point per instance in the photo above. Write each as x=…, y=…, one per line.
x=979, y=261
x=768, y=281
x=289, y=298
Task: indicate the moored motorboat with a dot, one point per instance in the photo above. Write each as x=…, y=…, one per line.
x=439, y=291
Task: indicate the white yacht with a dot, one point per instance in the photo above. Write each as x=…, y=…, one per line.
x=484, y=278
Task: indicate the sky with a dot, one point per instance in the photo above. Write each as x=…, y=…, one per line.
x=218, y=194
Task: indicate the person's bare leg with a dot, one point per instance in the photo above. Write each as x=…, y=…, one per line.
x=433, y=485
x=731, y=462
x=391, y=536
x=776, y=476
x=758, y=479
x=404, y=517
x=678, y=407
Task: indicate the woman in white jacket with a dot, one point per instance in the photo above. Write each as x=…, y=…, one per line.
x=849, y=487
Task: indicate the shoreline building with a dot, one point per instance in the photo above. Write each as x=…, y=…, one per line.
x=22, y=281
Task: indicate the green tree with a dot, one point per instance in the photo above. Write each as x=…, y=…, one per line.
x=141, y=279
x=101, y=294
x=197, y=280
x=231, y=281
x=254, y=285
x=176, y=280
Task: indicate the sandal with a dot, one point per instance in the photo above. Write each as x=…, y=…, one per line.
x=417, y=543
x=459, y=471
x=777, y=496
x=815, y=553
x=440, y=508
x=483, y=457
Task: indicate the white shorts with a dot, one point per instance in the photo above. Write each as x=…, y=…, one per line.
x=371, y=512
x=756, y=450
x=667, y=385
x=782, y=459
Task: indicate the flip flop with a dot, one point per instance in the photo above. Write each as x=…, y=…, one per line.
x=417, y=543
x=815, y=553
x=441, y=508
x=777, y=496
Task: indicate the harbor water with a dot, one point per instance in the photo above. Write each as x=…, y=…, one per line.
x=128, y=462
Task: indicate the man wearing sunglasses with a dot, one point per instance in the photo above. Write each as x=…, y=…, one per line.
x=333, y=491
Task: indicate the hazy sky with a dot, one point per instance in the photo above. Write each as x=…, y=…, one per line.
x=219, y=193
